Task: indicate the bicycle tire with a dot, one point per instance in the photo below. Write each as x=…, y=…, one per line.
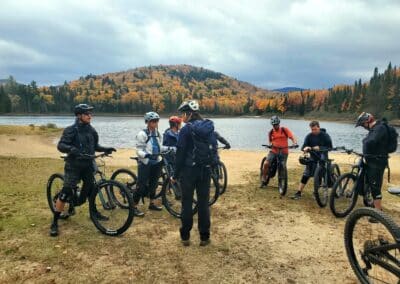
x=338, y=192
x=130, y=183
x=351, y=222
x=261, y=172
x=282, y=181
x=171, y=199
x=214, y=190
x=222, y=172
x=320, y=192
x=112, y=210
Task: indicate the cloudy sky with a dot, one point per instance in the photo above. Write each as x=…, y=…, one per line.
x=310, y=44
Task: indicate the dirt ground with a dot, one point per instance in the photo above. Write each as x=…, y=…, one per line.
x=256, y=236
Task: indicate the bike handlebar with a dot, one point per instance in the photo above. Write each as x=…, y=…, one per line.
x=89, y=157
x=276, y=147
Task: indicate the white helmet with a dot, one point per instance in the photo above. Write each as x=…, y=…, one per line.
x=151, y=116
x=189, y=106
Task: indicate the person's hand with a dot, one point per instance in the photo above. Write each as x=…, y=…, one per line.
x=109, y=150
x=316, y=148
x=227, y=146
x=74, y=151
x=171, y=148
x=306, y=149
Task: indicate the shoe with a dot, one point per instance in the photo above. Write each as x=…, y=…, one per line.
x=100, y=216
x=137, y=212
x=204, y=243
x=54, y=230
x=154, y=207
x=185, y=243
x=263, y=184
x=71, y=211
x=296, y=196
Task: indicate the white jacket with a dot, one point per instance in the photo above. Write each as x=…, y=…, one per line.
x=143, y=148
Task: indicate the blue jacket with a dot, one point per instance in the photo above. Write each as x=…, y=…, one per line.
x=170, y=138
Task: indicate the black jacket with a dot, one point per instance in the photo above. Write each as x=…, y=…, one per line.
x=375, y=143
x=323, y=140
x=82, y=137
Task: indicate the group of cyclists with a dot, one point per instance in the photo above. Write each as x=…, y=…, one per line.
x=318, y=142
x=192, y=152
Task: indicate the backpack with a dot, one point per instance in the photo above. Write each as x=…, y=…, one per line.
x=146, y=130
x=392, y=137
x=283, y=130
x=204, y=143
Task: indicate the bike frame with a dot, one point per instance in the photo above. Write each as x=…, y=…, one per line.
x=374, y=255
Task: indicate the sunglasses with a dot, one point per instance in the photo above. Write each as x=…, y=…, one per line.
x=88, y=114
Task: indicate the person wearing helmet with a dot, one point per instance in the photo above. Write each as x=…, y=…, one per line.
x=193, y=176
x=318, y=139
x=376, y=156
x=149, y=165
x=170, y=136
x=278, y=137
x=76, y=140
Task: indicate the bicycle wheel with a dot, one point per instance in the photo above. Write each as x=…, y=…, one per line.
x=53, y=189
x=343, y=195
x=282, y=180
x=320, y=186
x=172, y=198
x=368, y=246
x=222, y=177
x=129, y=180
x=106, y=214
x=334, y=174
x=214, y=190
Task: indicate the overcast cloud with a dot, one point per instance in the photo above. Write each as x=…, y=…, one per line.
x=310, y=44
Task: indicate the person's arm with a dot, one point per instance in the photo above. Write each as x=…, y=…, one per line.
x=141, y=145
x=184, y=135
x=65, y=145
x=98, y=147
x=222, y=140
x=327, y=144
x=291, y=136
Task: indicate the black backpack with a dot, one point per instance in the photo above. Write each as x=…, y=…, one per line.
x=392, y=137
x=205, y=143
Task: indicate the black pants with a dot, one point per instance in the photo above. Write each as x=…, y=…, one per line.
x=148, y=176
x=195, y=178
x=374, y=177
x=74, y=172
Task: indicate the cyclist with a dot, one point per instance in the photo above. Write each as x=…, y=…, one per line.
x=193, y=175
x=317, y=140
x=170, y=136
x=222, y=140
x=278, y=137
x=149, y=165
x=374, y=147
x=76, y=140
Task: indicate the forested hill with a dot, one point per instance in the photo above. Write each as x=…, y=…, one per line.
x=162, y=88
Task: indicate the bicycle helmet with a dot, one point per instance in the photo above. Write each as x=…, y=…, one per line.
x=275, y=120
x=305, y=160
x=82, y=108
x=151, y=116
x=364, y=117
x=175, y=119
x=189, y=106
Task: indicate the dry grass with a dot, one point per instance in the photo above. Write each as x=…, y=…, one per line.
x=29, y=130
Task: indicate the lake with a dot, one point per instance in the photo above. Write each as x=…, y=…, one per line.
x=243, y=133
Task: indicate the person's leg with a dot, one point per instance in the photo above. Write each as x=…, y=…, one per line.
x=203, y=196
x=374, y=176
x=154, y=175
x=71, y=179
x=187, y=185
x=142, y=185
x=304, y=179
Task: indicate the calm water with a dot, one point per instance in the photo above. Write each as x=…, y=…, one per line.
x=243, y=133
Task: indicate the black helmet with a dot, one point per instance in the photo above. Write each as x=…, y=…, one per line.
x=305, y=159
x=275, y=120
x=189, y=106
x=82, y=108
x=364, y=117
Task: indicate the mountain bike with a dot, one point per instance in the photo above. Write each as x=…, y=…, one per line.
x=277, y=164
x=170, y=193
x=373, y=249
x=105, y=198
x=349, y=186
x=325, y=175
x=222, y=173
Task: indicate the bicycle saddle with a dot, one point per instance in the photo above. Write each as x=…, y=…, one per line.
x=134, y=158
x=394, y=190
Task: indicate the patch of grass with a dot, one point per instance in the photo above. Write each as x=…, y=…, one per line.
x=49, y=129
